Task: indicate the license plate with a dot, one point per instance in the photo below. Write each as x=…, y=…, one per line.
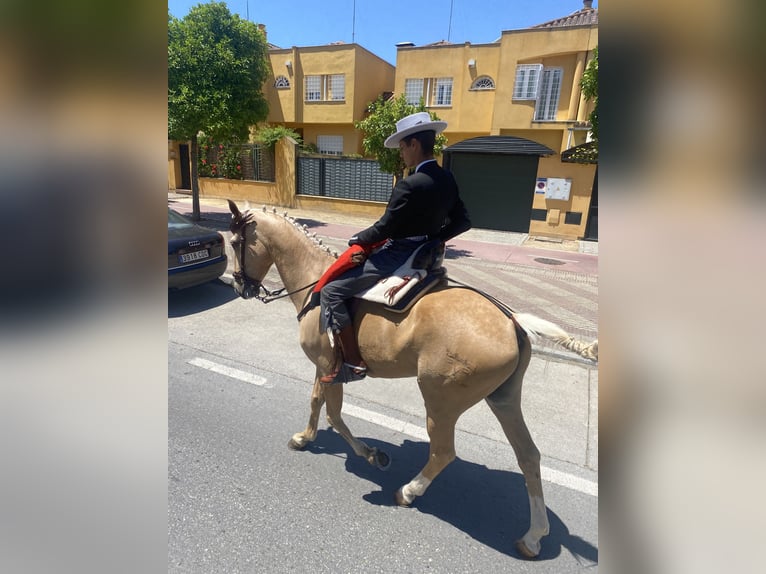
x=194, y=256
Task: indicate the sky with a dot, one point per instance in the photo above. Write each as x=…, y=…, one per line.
x=378, y=26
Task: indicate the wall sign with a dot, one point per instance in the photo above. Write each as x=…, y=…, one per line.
x=558, y=188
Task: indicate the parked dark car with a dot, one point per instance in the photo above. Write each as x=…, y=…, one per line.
x=196, y=254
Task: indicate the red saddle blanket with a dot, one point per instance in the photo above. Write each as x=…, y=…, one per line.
x=350, y=258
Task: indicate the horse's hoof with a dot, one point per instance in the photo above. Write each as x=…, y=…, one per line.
x=524, y=551
x=399, y=498
x=293, y=444
x=382, y=460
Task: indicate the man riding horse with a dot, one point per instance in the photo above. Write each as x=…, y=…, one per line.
x=423, y=206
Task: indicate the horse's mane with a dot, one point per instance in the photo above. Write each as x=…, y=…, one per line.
x=310, y=235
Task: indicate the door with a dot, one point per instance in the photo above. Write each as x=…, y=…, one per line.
x=497, y=189
x=591, y=228
x=185, y=166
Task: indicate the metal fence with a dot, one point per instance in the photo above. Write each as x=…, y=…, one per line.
x=256, y=162
x=345, y=178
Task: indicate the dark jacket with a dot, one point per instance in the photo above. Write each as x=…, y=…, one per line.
x=425, y=203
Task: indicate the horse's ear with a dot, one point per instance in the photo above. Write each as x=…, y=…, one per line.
x=233, y=208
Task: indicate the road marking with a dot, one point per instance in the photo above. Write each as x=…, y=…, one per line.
x=548, y=474
x=228, y=371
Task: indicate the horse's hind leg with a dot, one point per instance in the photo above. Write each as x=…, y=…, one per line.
x=334, y=397
x=505, y=403
x=301, y=439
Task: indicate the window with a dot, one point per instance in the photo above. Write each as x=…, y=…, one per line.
x=483, y=83
x=442, y=95
x=433, y=91
x=548, y=98
x=338, y=88
x=313, y=88
x=527, y=78
x=331, y=145
x=413, y=91
x=326, y=88
x=281, y=82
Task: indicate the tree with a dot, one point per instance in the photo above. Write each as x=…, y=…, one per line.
x=589, y=85
x=217, y=64
x=381, y=123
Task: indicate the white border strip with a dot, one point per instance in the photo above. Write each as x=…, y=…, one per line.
x=548, y=474
x=228, y=371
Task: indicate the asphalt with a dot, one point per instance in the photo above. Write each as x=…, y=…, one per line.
x=561, y=389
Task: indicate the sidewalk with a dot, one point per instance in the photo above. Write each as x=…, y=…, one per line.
x=483, y=244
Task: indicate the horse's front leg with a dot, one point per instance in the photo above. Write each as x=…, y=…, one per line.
x=334, y=397
x=300, y=440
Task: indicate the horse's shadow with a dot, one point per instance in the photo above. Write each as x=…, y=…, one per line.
x=310, y=223
x=452, y=253
x=496, y=514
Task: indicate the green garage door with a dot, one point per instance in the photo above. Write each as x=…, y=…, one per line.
x=497, y=189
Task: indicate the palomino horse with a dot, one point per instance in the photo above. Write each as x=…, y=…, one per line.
x=461, y=347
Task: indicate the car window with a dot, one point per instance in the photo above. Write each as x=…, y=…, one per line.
x=177, y=220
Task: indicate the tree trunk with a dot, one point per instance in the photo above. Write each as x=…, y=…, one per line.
x=195, y=177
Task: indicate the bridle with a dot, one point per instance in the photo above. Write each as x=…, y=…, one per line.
x=252, y=289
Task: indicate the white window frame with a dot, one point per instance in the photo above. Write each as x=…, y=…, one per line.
x=482, y=83
x=434, y=92
x=527, y=81
x=281, y=83
x=325, y=88
x=313, y=89
x=442, y=92
x=547, y=105
x=337, y=83
x=330, y=145
x=413, y=91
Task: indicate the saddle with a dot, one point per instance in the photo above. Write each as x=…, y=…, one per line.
x=398, y=292
x=421, y=272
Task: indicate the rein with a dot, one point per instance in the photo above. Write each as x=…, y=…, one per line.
x=252, y=289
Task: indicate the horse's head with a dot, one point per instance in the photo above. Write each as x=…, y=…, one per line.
x=251, y=258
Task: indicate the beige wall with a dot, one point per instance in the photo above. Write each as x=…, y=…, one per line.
x=553, y=47
x=471, y=111
x=579, y=199
x=366, y=77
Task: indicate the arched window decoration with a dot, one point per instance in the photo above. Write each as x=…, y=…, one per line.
x=483, y=83
x=282, y=82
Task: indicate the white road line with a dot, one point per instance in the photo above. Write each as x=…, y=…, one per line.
x=548, y=474
x=228, y=371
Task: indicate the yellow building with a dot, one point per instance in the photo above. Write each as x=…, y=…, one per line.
x=501, y=98
x=320, y=91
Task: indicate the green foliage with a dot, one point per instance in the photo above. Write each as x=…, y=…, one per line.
x=219, y=160
x=589, y=85
x=217, y=64
x=270, y=135
x=381, y=123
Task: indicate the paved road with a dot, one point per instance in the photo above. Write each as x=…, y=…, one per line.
x=239, y=501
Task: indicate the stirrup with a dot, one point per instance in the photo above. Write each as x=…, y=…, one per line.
x=347, y=373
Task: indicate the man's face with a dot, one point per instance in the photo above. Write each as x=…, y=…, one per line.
x=408, y=151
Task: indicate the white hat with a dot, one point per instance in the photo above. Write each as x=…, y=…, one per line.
x=412, y=124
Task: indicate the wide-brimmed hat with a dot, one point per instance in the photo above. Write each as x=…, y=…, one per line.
x=412, y=124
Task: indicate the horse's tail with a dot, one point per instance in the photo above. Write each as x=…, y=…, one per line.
x=537, y=327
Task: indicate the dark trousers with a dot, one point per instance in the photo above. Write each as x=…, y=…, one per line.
x=380, y=264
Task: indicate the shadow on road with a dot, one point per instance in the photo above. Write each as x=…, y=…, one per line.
x=197, y=299
x=489, y=505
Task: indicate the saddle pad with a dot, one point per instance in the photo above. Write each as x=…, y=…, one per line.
x=399, y=291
